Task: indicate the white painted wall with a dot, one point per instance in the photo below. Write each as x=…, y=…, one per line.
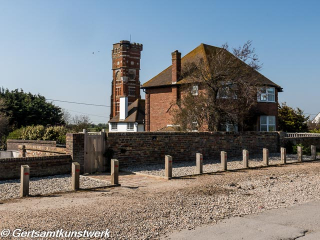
x=122, y=127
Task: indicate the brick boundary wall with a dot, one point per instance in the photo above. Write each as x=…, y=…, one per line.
x=13, y=144
x=39, y=166
x=42, y=150
x=151, y=147
x=75, y=147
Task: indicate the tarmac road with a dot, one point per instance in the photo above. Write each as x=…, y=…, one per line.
x=298, y=222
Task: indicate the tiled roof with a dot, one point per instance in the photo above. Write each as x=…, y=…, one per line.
x=136, y=112
x=202, y=51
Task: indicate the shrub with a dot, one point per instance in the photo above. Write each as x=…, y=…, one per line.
x=39, y=132
x=305, y=150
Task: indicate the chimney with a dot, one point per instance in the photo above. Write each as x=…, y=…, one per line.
x=176, y=66
x=123, y=108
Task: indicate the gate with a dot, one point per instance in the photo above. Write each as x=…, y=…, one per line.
x=94, y=146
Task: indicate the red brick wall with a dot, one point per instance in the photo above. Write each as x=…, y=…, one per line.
x=13, y=144
x=33, y=150
x=39, y=166
x=160, y=102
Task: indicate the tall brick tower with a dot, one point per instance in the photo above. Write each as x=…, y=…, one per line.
x=126, y=78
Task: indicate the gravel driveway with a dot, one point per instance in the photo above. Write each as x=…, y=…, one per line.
x=46, y=185
x=209, y=165
x=153, y=210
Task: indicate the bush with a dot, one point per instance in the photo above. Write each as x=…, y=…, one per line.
x=56, y=133
x=305, y=150
x=39, y=132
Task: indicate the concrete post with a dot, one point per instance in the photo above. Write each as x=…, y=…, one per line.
x=283, y=155
x=75, y=182
x=199, y=163
x=24, y=151
x=313, y=152
x=114, y=171
x=299, y=151
x=266, y=157
x=245, y=157
x=224, y=161
x=168, y=166
x=24, y=180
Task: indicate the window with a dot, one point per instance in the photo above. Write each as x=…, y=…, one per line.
x=118, y=91
x=229, y=127
x=227, y=92
x=130, y=126
x=195, y=90
x=114, y=126
x=132, y=91
x=266, y=95
x=267, y=123
x=117, y=107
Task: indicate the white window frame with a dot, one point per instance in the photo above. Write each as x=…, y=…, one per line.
x=114, y=126
x=267, y=123
x=267, y=94
x=130, y=126
x=195, y=90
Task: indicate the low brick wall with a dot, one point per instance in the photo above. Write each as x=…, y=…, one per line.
x=39, y=166
x=42, y=150
x=13, y=144
x=151, y=147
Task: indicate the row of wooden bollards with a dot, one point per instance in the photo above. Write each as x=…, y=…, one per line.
x=75, y=178
x=245, y=159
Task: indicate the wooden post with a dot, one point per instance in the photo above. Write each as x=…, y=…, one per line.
x=266, y=157
x=283, y=155
x=114, y=172
x=299, y=151
x=75, y=182
x=245, y=157
x=24, y=180
x=224, y=161
x=199, y=163
x=168, y=166
x=313, y=152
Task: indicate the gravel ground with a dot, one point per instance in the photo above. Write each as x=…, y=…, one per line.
x=153, y=210
x=46, y=185
x=209, y=165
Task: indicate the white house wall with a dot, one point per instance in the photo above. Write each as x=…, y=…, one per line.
x=122, y=127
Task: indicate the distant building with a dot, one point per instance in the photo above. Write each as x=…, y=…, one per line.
x=316, y=119
x=130, y=118
x=126, y=74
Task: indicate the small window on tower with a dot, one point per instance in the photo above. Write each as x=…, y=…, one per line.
x=132, y=91
x=117, y=107
x=118, y=91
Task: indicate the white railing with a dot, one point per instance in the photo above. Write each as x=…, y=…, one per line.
x=297, y=135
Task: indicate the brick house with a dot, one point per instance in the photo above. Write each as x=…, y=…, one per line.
x=166, y=88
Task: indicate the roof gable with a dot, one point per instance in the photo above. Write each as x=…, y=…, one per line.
x=136, y=113
x=164, y=78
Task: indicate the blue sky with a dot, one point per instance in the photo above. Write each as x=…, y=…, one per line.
x=46, y=46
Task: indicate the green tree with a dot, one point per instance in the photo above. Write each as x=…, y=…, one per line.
x=26, y=109
x=292, y=120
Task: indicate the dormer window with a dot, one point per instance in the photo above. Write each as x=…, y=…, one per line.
x=195, y=90
x=266, y=94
